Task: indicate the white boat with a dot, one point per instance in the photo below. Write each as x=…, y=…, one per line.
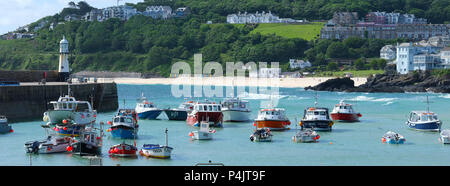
x=393, y=138
x=424, y=120
x=306, y=136
x=261, y=135
x=53, y=144
x=235, y=110
x=344, y=112
x=4, y=127
x=146, y=109
x=67, y=107
x=204, y=133
x=445, y=136
x=156, y=150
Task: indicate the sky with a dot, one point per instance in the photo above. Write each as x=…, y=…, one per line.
x=17, y=13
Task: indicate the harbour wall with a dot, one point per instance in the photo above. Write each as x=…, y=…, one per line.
x=29, y=102
x=29, y=75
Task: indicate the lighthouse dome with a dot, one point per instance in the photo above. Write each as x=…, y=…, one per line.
x=64, y=41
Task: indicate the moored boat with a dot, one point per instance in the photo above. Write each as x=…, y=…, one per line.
x=124, y=124
x=344, y=112
x=261, y=135
x=90, y=142
x=204, y=133
x=205, y=111
x=53, y=144
x=445, y=136
x=146, y=109
x=123, y=150
x=67, y=128
x=235, y=110
x=68, y=108
x=272, y=118
x=4, y=127
x=316, y=118
x=424, y=120
x=181, y=112
x=393, y=138
x=156, y=150
x=306, y=136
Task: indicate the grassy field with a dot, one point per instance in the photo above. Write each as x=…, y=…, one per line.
x=356, y=73
x=304, y=31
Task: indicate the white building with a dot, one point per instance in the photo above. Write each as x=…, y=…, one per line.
x=417, y=56
x=295, y=63
x=252, y=18
x=122, y=12
x=158, y=12
x=388, y=52
x=269, y=72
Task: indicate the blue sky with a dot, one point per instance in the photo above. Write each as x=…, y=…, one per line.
x=16, y=13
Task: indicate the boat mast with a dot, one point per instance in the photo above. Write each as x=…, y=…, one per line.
x=315, y=102
x=167, y=139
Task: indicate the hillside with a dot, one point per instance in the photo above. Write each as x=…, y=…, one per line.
x=309, y=31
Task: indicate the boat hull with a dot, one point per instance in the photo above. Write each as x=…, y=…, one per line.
x=444, y=140
x=215, y=119
x=393, y=141
x=317, y=125
x=428, y=126
x=57, y=116
x=151, y=114
x=160, y=152
x=304, y=139
x=83, y=149
x=272, y=124
x=235, y=116
x=122, y=132
x=70, y=130
x=178, y=115
x=123, y=151
x=200, y=135
x=350, y=117
x=5, y=129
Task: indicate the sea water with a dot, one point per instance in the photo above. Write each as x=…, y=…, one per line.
x=347, y=144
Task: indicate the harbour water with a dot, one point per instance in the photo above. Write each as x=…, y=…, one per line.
x=348, y=144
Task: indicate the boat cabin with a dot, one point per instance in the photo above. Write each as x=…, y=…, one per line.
x=3, y=119
x=208, y=107
x=123, y=120
x=69, y=103
x=90, y=137
x=235, y=104
x=422, y=116
x=343, y=108
x=272, y=114
x=316, y=113
x=188, y=106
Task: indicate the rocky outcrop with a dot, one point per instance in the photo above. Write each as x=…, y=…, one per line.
x=412, y=82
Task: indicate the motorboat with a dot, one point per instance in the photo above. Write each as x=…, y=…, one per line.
x=156, y=150
x=124, y=124
x=306, y=136
x=445, y=136
x=344, y=112
x=123, y=150
x=146, y=109
x=206, y=111
x=424, y=120
x=261, y=135
x=235, y=110
x=393, y=138
x=90, y=142
x=4, y=127
x=68, y=108
x=204, y=133
x=272, y=118
x=53, y=144
x=316, y=118
x=180, y=113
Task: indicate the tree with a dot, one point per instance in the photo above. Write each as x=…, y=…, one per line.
x=373, y=64
x=359, y=64
x=337, y=50
x=332, y=66
x=381, y=63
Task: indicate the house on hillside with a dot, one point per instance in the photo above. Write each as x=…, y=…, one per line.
x=388, y=53
x=295, y=63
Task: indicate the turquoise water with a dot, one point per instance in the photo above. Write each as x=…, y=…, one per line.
x=348, y=143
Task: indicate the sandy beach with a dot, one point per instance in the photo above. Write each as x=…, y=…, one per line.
x=226, y=81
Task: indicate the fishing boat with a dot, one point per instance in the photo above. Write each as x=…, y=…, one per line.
x=306, y=136
x=206, y=111
x=68, y=128
x=156, y=150
x=272, y=118
x=424, y=120
x=445, y=136
x=53, y=144
x=181, y=112
x=146, y=109
x=344, y=112
x=4, y=127
x=393, y=138
x=316, y=118
x=124, y=124
x=261, y=135
x=235, y=110
x=90, y=142
x=204, y=133
x=123, y=150
x=68, y=108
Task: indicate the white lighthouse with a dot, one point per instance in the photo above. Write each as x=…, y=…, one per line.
x=63, y=68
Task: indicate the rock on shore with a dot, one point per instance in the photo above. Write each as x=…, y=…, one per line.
x=412, y=82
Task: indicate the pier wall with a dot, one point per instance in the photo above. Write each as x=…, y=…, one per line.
x=29, y=102
x=29, y=75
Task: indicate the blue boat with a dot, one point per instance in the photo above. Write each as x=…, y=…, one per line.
x=72, y=130
x=147, y=110
x=393, y=138
x=424, y=120
x=124, y=124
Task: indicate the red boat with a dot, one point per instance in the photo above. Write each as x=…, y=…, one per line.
x=123, y=150
x=208, y=111
x=344, y=112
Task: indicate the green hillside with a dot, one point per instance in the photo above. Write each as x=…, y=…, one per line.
x=307, y=31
